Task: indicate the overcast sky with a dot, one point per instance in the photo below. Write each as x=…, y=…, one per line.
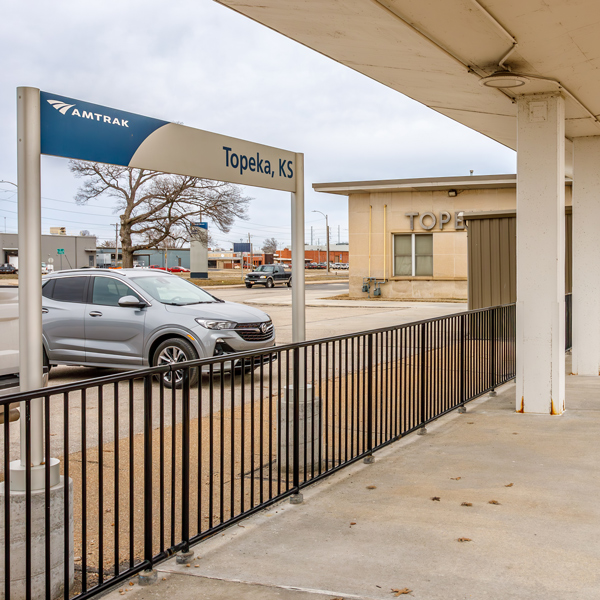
x=199, y=63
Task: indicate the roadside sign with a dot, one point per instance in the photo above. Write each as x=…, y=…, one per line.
x=60, y=251
x=195, y=229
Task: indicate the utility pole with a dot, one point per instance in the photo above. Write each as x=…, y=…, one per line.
x=116, y=245
x=311, y=234
x=251, y=255
x=11, y=183
x=327, y=233
x=339, y=234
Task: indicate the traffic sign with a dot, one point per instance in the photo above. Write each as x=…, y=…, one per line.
x=60, y=251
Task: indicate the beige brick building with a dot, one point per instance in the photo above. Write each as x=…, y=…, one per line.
x=407, y=236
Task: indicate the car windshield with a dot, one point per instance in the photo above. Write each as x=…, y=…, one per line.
x=170, y=289
x=265, y=269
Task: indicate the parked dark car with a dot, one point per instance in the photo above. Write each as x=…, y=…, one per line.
x=269, y=276
x=7, y=269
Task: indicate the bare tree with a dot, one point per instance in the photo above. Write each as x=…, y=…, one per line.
x=158, y=208
x=107, y=244
x=270, y=246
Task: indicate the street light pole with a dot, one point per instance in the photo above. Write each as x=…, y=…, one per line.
x=327, y=233
x=11, y=183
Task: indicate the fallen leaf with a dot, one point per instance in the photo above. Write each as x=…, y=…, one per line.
x=470, y=422
x=493, y=502
x=353, y=523
x=164, y=578
x=131, y=583
x=455, y=478
x=188, y=565
x=467, y=504
x=509, y=485
x=463, y=539
x=435, y=498
x=401, y=592
x=371, y=487
x=515, y=433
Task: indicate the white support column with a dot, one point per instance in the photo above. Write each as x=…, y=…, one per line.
x=298, y=308
x=540, y=254
x=586, y=256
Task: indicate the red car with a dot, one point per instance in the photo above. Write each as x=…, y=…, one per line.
x=178, y=270
x=157, y=267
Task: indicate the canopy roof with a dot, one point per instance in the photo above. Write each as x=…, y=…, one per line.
x=437, y=51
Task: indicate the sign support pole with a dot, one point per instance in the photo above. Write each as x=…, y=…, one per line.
x=30, y=280
x=298, y=287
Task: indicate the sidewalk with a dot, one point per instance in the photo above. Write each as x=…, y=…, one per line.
x=538, y=538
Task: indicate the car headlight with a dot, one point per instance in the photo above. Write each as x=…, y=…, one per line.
x=263, y=277
x=210, y=324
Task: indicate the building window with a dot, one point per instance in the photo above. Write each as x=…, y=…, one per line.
x=413, y=255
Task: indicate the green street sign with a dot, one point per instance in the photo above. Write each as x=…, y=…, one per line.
x=60, y=251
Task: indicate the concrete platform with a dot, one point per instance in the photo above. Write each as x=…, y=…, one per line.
x=533, y=484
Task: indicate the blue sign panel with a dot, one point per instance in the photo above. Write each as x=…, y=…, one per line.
x=245, y=247
x=201, y=224
x=76, y=129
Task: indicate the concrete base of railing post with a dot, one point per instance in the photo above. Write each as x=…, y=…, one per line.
x=462, y=409
x=493, y=393
x=183, y=558
x=148, y=577
x=422, y=430
x=296, y=499
x=369, y=460
x=310, y=420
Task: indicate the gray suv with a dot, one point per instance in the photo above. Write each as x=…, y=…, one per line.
x=132, y=318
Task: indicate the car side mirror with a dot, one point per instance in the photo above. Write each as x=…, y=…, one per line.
x=131, y=302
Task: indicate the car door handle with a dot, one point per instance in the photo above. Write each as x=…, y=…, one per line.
x=45, y=310
x=95, y=313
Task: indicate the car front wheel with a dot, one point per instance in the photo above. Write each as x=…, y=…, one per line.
x=270, y=283
x=289, y=282
x=248, y=285
x=171, y=351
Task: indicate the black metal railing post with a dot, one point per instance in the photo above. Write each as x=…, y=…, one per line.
x=296, y=495
x=148, y=554
x=462, y=374
x=185, y=466
x=422, y=381
x=493, y=351
x=369, y=458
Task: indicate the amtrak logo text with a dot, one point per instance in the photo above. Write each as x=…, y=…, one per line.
x=63, y=108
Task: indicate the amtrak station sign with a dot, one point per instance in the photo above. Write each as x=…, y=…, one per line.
x=81, y=130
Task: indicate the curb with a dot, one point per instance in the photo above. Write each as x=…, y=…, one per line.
x=242, y=285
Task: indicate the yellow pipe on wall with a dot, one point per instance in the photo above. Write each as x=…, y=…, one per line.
x=370, y=211
x=384, y=241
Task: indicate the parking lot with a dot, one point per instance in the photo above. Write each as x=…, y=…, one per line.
x=324, y=317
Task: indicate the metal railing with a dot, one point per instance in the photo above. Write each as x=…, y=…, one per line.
x=154, y=469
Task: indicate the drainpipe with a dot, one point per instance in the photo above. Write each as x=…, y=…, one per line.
x=370, y=213
x=384, y=241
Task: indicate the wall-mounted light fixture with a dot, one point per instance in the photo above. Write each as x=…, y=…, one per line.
x=452, y=193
